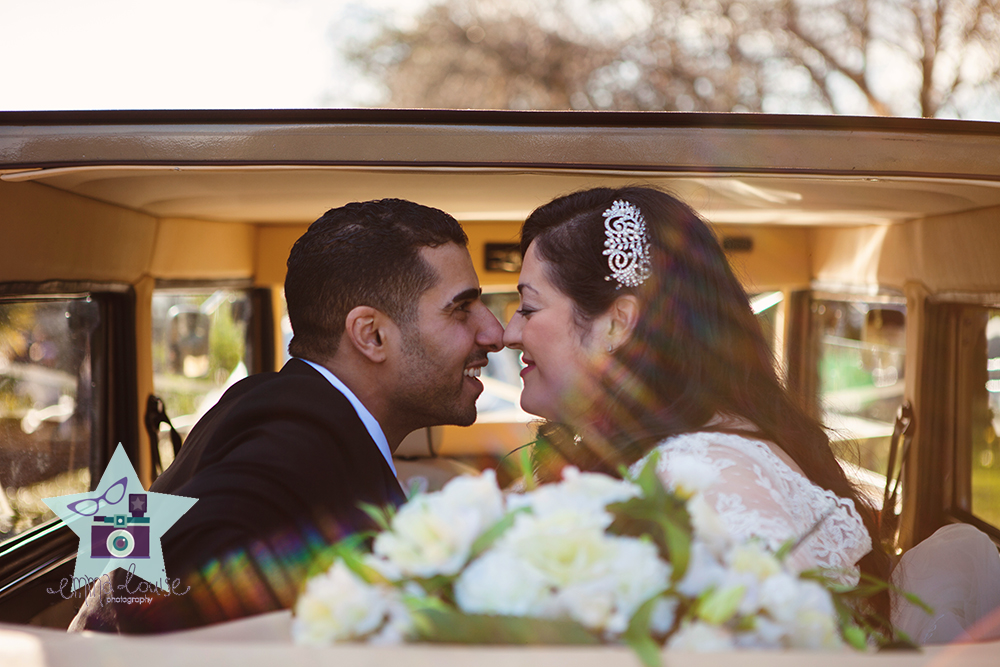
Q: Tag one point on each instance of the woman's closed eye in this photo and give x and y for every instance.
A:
(525, 312)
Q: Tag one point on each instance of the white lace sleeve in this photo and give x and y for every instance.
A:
(757, 494)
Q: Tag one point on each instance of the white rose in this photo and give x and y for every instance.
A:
(779, 595)
(563, 565)
(703, 572)
(634, 573)
(701, 637)
(384, 567)
(688, 475)
(398, 625)
(590, 603)
(814, 629)
(664, 614)
(579, 492)
(708, 526)
(598, 579)
(754, 558)
(565, 547)
(750, 564)
(433, 534)
(500, 583)
(803, 608)
(337, 605)
(765, 634)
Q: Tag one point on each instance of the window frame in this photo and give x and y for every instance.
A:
(40, 557)
(957, 496)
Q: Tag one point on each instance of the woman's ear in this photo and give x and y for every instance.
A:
(623, 316)
(365, 331)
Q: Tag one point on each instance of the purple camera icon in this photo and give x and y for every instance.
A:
(120, 535)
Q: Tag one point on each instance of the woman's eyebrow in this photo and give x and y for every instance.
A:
(523, 286)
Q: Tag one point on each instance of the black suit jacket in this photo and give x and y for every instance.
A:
(279, 467)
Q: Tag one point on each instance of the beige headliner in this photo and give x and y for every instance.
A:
(287, 167)
(279, 195)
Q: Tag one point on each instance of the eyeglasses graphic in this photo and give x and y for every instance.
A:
(89, 506)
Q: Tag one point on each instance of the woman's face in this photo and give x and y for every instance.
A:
(561, 362)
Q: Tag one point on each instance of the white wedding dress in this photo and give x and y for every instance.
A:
(758, 491)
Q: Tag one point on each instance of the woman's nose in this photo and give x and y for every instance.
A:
(512, 335)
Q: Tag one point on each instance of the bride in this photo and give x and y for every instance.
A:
(636, 336)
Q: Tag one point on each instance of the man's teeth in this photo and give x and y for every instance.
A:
(473, 372)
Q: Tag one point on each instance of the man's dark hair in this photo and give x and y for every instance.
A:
(361, 254)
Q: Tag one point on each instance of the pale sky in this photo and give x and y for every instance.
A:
(141, 54)
(232, 54)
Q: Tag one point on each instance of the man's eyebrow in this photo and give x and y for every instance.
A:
(470, 294)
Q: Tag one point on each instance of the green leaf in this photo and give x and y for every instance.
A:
(664, 519)
(527, 472)
(720, 605)
(486, 540)
(679, 545)
(784, 550)
(855, 636)
(438, 586)
(915, 599)
(381, 516)
(638, 635)
(354, 559)
(454, 627)
(414, 490)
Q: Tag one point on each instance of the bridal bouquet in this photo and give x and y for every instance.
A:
(589, 559)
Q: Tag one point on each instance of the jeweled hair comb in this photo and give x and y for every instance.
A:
(627, 245)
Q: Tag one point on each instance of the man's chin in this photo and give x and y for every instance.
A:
(465, 417)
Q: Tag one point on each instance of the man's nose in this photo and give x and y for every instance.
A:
(490, 333)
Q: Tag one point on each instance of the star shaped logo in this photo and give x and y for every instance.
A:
(121, 534)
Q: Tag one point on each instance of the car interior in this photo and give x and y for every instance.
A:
(142, 257)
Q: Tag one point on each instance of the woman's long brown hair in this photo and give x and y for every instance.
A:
(697, 350)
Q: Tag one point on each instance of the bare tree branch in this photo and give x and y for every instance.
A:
(695, 54)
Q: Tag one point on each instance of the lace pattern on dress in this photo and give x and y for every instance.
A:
(756, 494)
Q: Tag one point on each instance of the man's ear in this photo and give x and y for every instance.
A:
(623, 316)
(365, 330)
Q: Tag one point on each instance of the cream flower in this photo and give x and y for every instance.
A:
(664, 614)
(566, 566)
(634, 574)
(500, 583)
(688, 475)
(433, 534)
(803, 608)
(814, 629)
(755, 559)
(703, 572)
(708, 526)
(579, 492)
(337, 605)
(701, 637)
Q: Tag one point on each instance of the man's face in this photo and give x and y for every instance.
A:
(445, 347)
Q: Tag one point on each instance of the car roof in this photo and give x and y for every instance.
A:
(281, 167)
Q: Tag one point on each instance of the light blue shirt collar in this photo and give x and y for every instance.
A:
(374, 430)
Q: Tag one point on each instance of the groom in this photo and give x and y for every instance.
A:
(389, 336)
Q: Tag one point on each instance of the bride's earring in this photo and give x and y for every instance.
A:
(611, 348)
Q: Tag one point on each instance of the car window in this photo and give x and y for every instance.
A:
(47, 408)
(501, 397)
(768, 307)
(200, 349)
(983, 413)
(861, 355)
